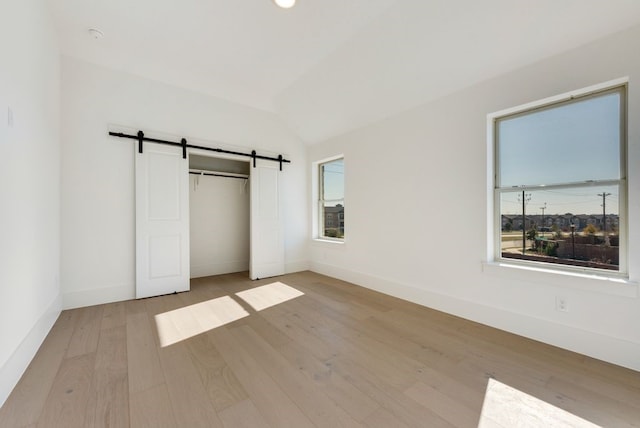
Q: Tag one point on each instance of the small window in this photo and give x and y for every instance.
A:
(331, 199)
(560, 188)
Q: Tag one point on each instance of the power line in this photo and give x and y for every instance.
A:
(543, 208)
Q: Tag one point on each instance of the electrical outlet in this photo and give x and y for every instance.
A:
(562, 304)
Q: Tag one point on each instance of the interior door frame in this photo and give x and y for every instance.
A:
(266, 233)
(210, 154)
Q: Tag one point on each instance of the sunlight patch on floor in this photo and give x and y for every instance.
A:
(505, 406)
(181, 324)
(269, 295)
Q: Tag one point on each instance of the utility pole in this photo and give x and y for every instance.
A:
(525, 198)
(573, 239)
(604, 216)
(542, 226)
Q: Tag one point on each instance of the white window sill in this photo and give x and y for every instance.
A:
(329, 241)
(613, 285)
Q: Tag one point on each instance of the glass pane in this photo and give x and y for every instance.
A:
(332, 199)
(332, 180)
(569, 143)
(333, 219)
(577, 226)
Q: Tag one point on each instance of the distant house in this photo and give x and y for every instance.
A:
(334, 218)
(562, 221)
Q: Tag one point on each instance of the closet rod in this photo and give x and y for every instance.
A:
(218, 175)
(183, 143)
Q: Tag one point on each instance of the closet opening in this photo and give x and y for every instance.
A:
(219, 215)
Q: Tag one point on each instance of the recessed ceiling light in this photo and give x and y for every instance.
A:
(95, 33)
(285, 4)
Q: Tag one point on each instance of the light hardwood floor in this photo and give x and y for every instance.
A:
(339, 355)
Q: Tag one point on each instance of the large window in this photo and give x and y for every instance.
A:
(331, 199)
(560, 189)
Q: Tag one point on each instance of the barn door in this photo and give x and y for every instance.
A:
(267, 239)
(162, 221)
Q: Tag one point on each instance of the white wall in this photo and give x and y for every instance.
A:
(30, 298)
(219, 225)
(98, 245)
(417, 211)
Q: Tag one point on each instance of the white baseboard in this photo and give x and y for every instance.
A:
(219, 268)
(297, 266)
(12, 370)
(616, 351)
(98, 296)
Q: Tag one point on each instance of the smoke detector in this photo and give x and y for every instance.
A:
(95, 33)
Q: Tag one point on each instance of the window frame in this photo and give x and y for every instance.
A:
(319, 202)
(495, 230)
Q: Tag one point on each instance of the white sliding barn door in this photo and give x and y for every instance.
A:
(267, 239)
(162, 221)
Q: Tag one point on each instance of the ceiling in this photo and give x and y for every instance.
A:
(330, 66)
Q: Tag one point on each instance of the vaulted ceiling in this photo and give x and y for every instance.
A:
(329, 66)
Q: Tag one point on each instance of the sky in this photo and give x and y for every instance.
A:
(567, 143)
(585, 200)
(334, 181)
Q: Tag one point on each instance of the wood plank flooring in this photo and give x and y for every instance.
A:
(337, 356)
